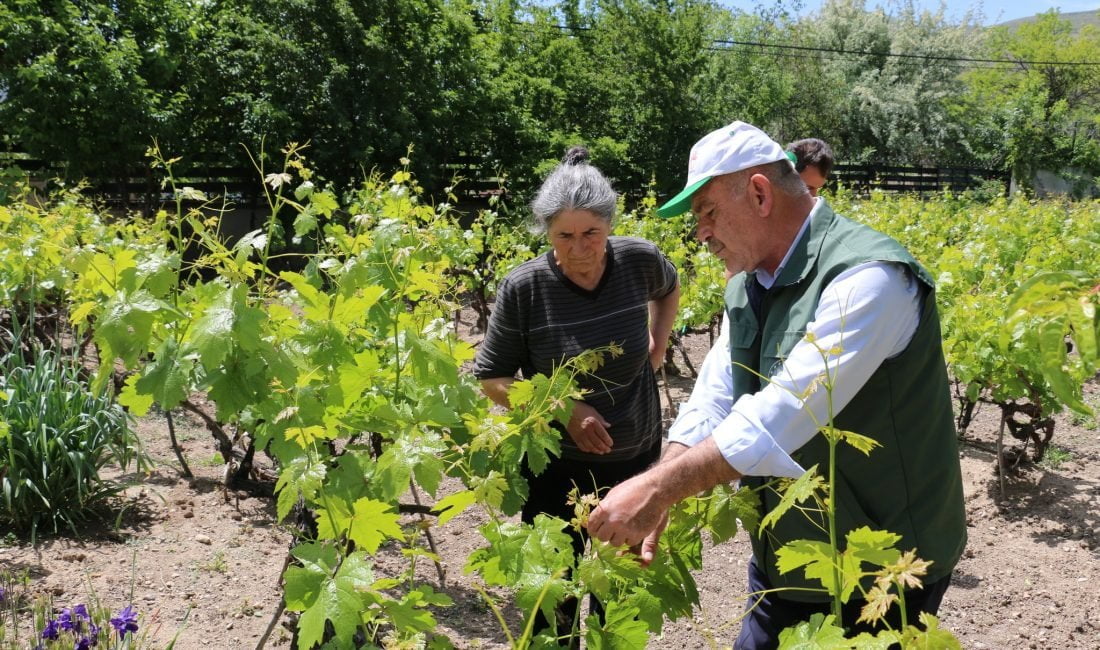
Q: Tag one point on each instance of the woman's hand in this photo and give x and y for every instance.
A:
(656, 353)
(588, 429)
(662, 313)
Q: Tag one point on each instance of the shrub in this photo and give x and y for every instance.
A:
(55, 436)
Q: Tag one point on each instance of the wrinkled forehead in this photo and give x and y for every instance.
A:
(577, 220)
(712, 193)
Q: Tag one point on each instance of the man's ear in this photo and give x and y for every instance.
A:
(761, 195)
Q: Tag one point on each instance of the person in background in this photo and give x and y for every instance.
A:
(799, 268)
(588, 291)
(813, 160)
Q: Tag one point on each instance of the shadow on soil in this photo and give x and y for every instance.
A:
(471, 618)
(1054, 504)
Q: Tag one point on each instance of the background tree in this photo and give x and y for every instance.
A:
(617, 75)
(361, 81)
(883, 82)
(649, 54)
(88, 84)
(1045, 109)
(756, 84)
(538, 79)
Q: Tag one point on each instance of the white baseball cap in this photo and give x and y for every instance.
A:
(727, 150)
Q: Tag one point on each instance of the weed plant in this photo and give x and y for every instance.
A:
(56, 435)
(1056, 455)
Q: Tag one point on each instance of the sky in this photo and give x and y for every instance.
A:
(994, 11)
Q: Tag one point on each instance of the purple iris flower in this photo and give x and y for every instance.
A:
(52, 631)
(91, 639)
(3, 592)
(68, 622)
(125, 622)
(82, 612)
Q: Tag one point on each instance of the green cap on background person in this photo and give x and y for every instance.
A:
(727, 150)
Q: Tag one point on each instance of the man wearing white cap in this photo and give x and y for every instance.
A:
(800, 268)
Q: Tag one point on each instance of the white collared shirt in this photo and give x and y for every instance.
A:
(870, 312)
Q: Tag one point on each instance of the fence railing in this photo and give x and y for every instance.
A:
(143, 191)
(478, 184)
(863, 178)
(476, 181)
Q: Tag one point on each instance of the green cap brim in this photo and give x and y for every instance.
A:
(681, 203)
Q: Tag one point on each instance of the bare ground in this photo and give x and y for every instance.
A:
(204, 564)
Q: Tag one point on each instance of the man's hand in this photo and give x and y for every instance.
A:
(636, 510)
(647, 550)
(629, 513)
(588, 429)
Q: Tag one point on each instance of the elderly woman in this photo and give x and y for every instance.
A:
(589, 290)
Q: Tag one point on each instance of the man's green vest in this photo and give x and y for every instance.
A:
(910, 485)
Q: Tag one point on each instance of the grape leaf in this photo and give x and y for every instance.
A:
(621, 629)
(80, 314)
(650, 608)
(316, 303)
(605, 564)
(300, 477)
(407, 615)
(236, 383)
(212, 333)
(324, 203)
(860, 442)
(819, 633)
(339, 600)
(305, 222)
(353, 308)
(372, 522)
(452, 505)
(803, 488)
(167, 378)
(413, 451)
(931, 638)
(727, 507)
(490, 489)
(126, 324)
(815, 556)
(355, 378)
(1052, 350)
(883, 640)
(138, 403)
(306, 436)
(528, 557)
(874, 546)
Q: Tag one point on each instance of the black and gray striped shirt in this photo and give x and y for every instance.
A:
(541, 318)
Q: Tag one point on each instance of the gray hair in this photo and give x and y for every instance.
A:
(573, 185)
(782, 176)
